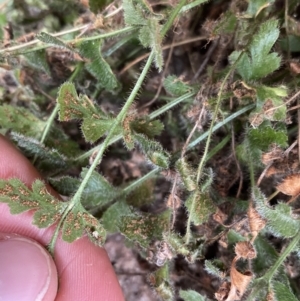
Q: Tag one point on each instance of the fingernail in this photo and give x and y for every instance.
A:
(27, 271)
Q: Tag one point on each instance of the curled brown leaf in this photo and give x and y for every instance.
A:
(244, 249)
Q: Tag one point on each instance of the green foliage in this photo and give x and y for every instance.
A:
(20, 120)
(143, 229)
(38, 60)
(47, 159)
(140, 15)
(211, 268)
(95, 123)
(261, 62)
(283, 292)
(153, 150)
(97, 66)
(187, 174)
(280, 223)
(79, 221)
(49, 39)
(200, 207)
(175, 86)
(248, 101)
(191, 296)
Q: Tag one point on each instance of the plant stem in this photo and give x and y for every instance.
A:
(96, 37)
(293, 244)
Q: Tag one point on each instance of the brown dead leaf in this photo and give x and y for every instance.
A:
(244, 249)
(290, 185)
(239, 282)
(256, 222)
(220, 217)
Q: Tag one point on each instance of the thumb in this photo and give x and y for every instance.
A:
(27, 271)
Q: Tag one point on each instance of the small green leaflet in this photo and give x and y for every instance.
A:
(191, 296)
(260, 63)
(97, 66)
(255, 6)
(49, 39)
(175, 86)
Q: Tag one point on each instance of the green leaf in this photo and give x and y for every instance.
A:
(187, 173)
(283, 292)
(133, 13)
(191, 296)
(260, 63)
(200, 207)
(147, 127)
(65, 185)
(141, 195)
(79, 221)
(160, 280)
(20, 198)
(112, 216)
(150, 36)
(49, 160)
(153, 150)
(212, 269)
(144, 228)
(270, 100)
(177, 244)
(175, 86)
(93, 128)
(265, 135)
(38, 60)
(280, 221)
(266, 255)
(20, 120)
(97, 66)
(73, 107)
(49, 39)
(98, 190)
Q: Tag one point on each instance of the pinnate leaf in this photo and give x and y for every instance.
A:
(20, 198)
(261, 62)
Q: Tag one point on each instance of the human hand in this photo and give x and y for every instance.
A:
(83, 269)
